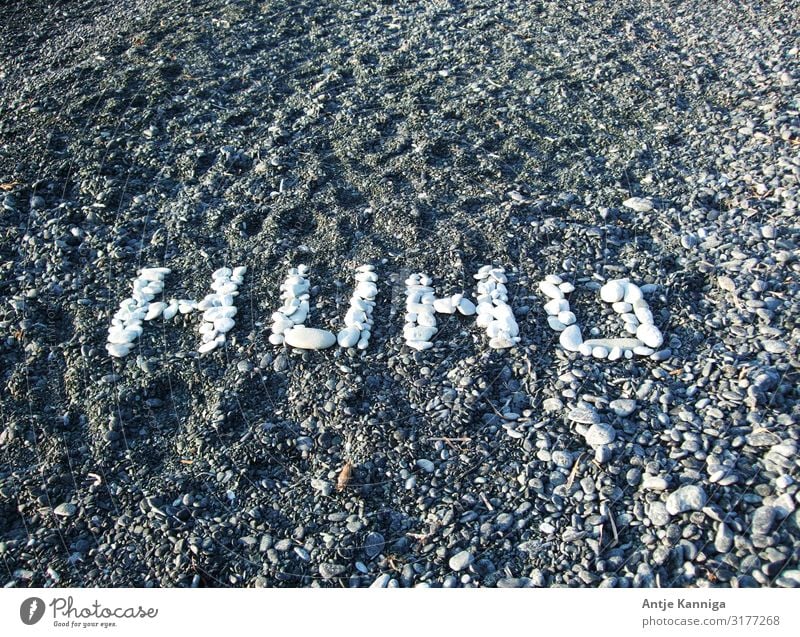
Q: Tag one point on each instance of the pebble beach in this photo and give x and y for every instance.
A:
(366, 294)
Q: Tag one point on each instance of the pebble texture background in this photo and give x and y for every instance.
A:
(656, 141)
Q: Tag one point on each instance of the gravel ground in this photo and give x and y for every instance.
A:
(436, 137)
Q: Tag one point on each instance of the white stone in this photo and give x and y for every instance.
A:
(366, 290)
(633, 293)
(308, 338)
(214, 313)
(224, 324)
(226, 288)
(239, 271)
(638, 204)
(643, 350)
(615, 353)
(554, 279)
(348, 337)
(621, 307)
(643, 313)
(566, 317)
(484, 308)
(610, 343)
(584, 349)
(281, 323)
(444, 306)
(550, 290)
(502, 342)
(366, 276)
(419, 345)
(555, 324)
(207, 347)
(118, 350)
(650, 335)
(221, 273)
(206, 328)
(122, 336)
(276, 339)
(466, 307)
(418, 333)
(571, 338)
(171, 310)
(354, 315)
(566, 287)
(613, 291)
(554, 306)
(153, 274)
(599, 352)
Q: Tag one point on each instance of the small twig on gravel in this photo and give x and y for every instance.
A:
(574, 471)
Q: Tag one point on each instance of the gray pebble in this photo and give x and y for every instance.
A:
(584, 415)
(66, 509)
(461, 560)
(623, 407)
(373, 545)
(689, 497)
(600, 434)
(763, 519)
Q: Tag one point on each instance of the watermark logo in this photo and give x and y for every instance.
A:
(31, 610)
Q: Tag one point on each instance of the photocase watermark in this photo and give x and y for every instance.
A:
(67, 614)
(31, 611)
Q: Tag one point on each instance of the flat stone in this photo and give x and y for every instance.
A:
(639, 204)
(308, 338)
(426, 465)
(66, 509)
(623, 407)
(373, 544)
(774, 346)
(466, 307)
(584, 415)
(553, 404)
(461, 560)
(654, 483)
(329, 570)
(600, 434)
(689, 497)
(611, 343)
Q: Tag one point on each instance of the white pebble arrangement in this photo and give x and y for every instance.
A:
(294, 311)
(494, 313)
(218, 308)
(358, 319)
(126, 325)
(420, 318)
(626, 299)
